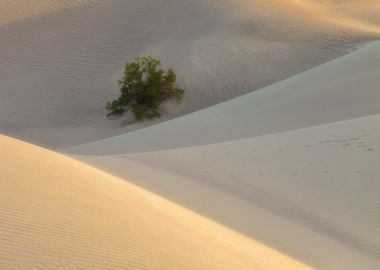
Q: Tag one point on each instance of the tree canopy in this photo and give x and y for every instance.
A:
(143, 89)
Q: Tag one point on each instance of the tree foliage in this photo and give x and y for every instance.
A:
(143, 89)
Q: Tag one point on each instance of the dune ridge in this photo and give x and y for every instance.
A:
(342, 89)
(58, 213)
(293, 165)
(318, 184)
(71, 58)
(302, 154)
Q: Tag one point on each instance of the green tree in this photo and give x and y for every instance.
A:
(143, 89)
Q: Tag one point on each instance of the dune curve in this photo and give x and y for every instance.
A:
(342, 89)
(62, 66)
(58, 213)
(318, 184)
(317, 181)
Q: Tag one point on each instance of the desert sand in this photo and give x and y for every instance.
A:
(15, 10)
(271, 162)
(311, 193)
(342, 89)
(301, 154)
(58, 213)
(61, 62)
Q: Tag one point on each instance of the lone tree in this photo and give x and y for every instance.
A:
(144, 87)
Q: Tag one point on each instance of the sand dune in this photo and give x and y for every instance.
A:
(340, 90)
(60, 64)
(318, 184)
(329, 15)
(312, 193)
(14, 10)
(293, 165)
(57, 213)
(364, 10)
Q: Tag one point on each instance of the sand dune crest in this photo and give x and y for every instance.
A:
(61, 63)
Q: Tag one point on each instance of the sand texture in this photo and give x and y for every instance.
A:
(318, 181)
(15, 10)
(271, 162)
(318, 185)
(339, 90)
(57, 213)
(60, 63)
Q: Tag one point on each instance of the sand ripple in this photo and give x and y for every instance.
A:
(57, 213)
(60, 64)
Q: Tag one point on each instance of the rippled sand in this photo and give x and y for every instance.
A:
(318, 181)
(57, 213)
(14, 10)
(310, 192)
(60, 66)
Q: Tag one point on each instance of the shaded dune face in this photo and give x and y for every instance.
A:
(57, 213)
(323, 178)
(61, 62)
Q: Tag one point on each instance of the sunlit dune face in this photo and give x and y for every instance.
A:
(364, 10)
(14, 10)
(57, 213)
(362, 14)
(362, 17)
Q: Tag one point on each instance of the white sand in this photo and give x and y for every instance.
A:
(312, 192)
(57, 213)
(61, 62)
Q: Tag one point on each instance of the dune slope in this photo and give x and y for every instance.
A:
(318, 184)
(14, 10)
(57, 213)
(61, 65)
(339, 90)
(312, 193)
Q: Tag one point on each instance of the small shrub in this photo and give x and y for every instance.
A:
(143, 89)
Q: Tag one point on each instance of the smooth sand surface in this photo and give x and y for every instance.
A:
(60, 63)
(312, 193)
(58, 213)
(319, 184)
